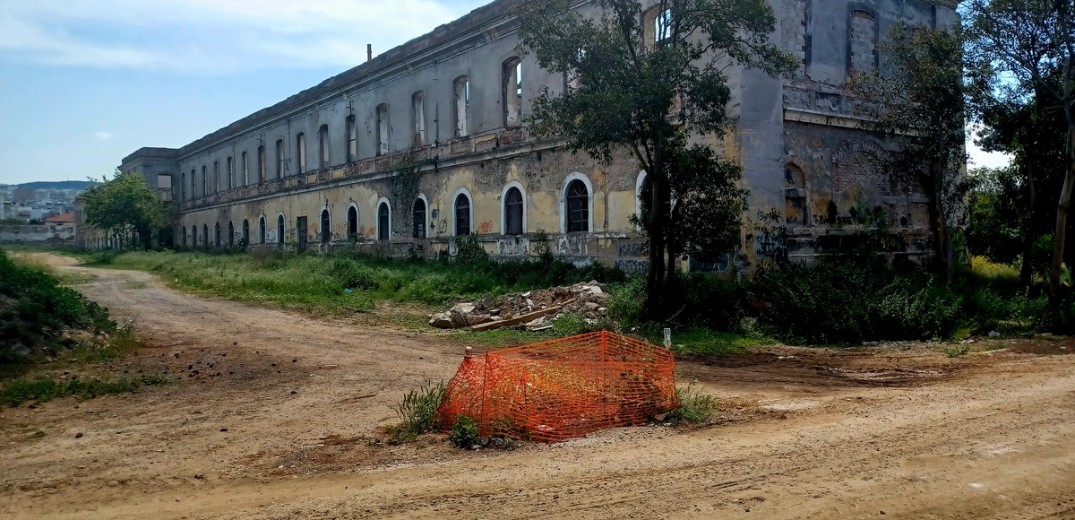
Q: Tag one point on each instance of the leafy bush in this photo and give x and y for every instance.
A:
(469, 251)
(35, 312)
(417, 410)
(694, 406)
(465, 433)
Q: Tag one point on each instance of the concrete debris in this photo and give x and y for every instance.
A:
(532, 310)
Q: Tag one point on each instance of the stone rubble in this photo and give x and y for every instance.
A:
(585, 299)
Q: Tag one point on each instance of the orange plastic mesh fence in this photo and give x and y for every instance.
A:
(562, 388)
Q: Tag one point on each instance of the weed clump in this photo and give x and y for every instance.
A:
(417, 411)
(42, 390)
(465, 433)
(695, 407)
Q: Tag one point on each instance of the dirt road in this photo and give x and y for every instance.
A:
(276, 412)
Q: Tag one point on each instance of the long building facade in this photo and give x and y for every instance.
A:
(428, 142)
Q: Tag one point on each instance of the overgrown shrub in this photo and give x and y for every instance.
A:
(16, 392)
(469, 251)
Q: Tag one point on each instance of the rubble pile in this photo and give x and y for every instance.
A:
(533, 310)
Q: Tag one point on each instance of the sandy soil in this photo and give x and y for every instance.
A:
(277, 412)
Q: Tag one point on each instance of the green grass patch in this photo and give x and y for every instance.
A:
(344, 283)
(41, 390)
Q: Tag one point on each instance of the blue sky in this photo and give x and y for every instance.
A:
(83, 83)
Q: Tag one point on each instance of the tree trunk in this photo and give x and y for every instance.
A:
(941, 243)
(1055, 296)
(1026, 272)
(660, 199)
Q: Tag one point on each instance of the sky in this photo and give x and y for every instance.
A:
(84, 83)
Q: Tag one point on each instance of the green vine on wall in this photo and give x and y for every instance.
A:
(409, 176)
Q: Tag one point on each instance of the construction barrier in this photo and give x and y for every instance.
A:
(561, 389)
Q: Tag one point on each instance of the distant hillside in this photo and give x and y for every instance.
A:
(55, 185)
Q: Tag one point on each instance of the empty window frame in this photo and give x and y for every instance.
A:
(280, 230)
(418, 219)
(194, 236)
(462, 214)
(231, 234)
(577, 207)
(246, 233)
(216, 234)
(261, 230)
(322, 147)
(513, 92)
(662, 26)
(461, 96)
(183, 192)
(244, 165)
(352, 139)
(383, 129)
(231, 173)
(215, 181)
(513, 211)
(384, 222)
(418, 111)
(326, 229)
(205, 183)
(281, 162)
(193, 184)
(300, 152)
(263, 164)
(205, 235)
(352, 223)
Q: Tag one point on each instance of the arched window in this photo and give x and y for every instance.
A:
(352, 222)
(216, 234)
(280, 230)
(246, 232)
(205, 182)
(215, 181)
(261, 230)
(194, 236)
(512, 88)
(577, 207)
(513, 212)
(326, 231)
(300, 152)
(384, 222)
(193, 184)
(462, 215)
(461, 95)
(231, 234)
(322, 146)
(205, 235)
(245, 165)
(352, 139)
(418, 219)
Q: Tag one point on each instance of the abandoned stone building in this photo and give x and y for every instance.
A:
(427, 142)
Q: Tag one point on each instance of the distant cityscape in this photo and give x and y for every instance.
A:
(34, 202)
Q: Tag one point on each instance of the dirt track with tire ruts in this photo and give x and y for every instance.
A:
(277, 412)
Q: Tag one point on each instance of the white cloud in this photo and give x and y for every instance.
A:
(103, 135)
(213, 36)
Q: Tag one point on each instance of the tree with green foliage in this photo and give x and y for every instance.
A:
(126, 204)
(1026, 48)
(919, 102)
(644, 83)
